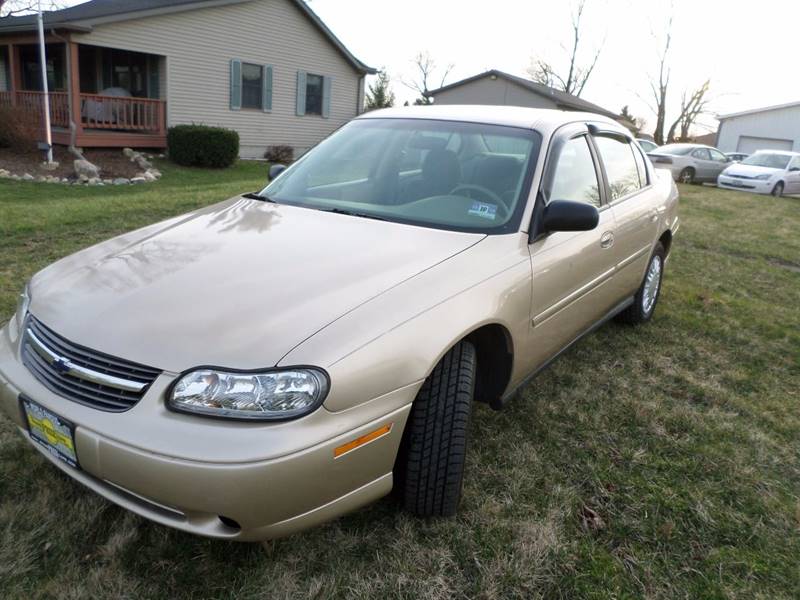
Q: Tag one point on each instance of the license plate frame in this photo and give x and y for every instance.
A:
(52, 432)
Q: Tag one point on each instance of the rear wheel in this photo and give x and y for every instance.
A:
(686, 176)
(644, 303)
(777, 191)
(430, 466)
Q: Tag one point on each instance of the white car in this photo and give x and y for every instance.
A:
(690, 163)
(765, 172)
(646, 145)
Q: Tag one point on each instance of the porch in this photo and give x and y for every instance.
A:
(113, 97)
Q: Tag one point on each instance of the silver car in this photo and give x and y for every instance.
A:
(690, 163)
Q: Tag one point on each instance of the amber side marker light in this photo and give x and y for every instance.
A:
(364, 439)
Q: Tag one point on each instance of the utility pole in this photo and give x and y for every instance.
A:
(46, 95)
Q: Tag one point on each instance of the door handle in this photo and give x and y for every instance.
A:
(607, 240)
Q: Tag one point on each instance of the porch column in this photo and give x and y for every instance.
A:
(74, 87)
(14, 72)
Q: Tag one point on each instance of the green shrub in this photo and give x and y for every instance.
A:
(282, 155)
(19, 128)
(202, 146)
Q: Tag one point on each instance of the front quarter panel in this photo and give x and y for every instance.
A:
(396, 340)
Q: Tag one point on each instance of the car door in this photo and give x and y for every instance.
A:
(634, 202)
(572, 271)
(719, 162)
(702, 164)
(793, 176)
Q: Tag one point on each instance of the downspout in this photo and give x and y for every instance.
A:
(73, 129)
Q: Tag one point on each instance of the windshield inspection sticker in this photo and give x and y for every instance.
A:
(484, 210)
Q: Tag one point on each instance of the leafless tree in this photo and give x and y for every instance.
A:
(693, 105)
(9, 8)
(426, 74)
(577, 75)
(660, 87)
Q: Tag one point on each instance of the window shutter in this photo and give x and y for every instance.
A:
(327, 84)
(266, 97)
(236, 84)
(301, 93)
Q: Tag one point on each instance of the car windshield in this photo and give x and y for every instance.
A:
(768, 159)
(676, 149)
(443, 174)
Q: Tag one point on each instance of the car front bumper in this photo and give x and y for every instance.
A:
(754, 186)
(264, 480)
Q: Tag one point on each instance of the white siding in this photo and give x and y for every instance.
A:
(776, 128)
(198, 46)
(499, 91)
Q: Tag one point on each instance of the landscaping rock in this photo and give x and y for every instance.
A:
(27, 177)
(142, 162)
(121, 181)
(136, 180)
(129, 152)
(41, 178)
(50, 166)
(148, 176)
(15, 177)
(155, 173)
(94, 181)
(4, 174)
(108, 181)
(82, 179)
(83, 168)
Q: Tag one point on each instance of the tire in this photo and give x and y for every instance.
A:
(645, 300)
(686, 176)
(430, 465)
(777, 191)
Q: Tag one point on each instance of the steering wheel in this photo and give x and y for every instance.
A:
(467, 187)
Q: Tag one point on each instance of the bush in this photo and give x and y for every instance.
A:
(282, 155)
(202, 146)
(19, 129)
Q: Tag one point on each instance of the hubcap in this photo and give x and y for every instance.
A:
(652, 281)
(687, 177)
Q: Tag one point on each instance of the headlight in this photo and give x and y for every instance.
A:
(764, 177)
(23, 303)
(268, 395)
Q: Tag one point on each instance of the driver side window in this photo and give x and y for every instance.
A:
(575, 177)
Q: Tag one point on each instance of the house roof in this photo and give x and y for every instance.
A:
(562, 99)
(757, 110)
(83, 17)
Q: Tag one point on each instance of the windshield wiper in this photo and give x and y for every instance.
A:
(341, 211)
(257, 196)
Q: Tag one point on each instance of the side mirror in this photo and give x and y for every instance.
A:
(567, 215)
(275, 171)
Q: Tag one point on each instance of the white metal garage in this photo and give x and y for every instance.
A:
(772, 128)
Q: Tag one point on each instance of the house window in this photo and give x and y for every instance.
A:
(32, 72)
(252, 86)
(313, 94)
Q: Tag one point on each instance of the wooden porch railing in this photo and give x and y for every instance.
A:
(131, 115)
(127, 114)
(32, 101)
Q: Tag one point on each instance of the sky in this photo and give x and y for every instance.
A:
(747, 48)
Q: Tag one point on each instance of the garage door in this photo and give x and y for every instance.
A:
(749, 144)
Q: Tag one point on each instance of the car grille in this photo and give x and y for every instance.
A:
(82, 375)
(740, 176)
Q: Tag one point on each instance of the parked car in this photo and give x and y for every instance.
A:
(647, 145)
(736, 156)
(765, 172)
(690, 163)
(270, 362)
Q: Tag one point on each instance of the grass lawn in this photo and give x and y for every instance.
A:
(659, 462)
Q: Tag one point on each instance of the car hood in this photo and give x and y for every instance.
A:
(750, 170)
(236, 285)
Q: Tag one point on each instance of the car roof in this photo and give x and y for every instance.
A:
(543, 120)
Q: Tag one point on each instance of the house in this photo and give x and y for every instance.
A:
(123, 71)
(771, 128)
(499, 88)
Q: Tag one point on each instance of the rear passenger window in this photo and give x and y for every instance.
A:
(620, 165)
(575, 177)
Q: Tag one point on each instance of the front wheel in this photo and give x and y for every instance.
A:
(646, 298)
(430, 466)
(686, 176)
(777, 191)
